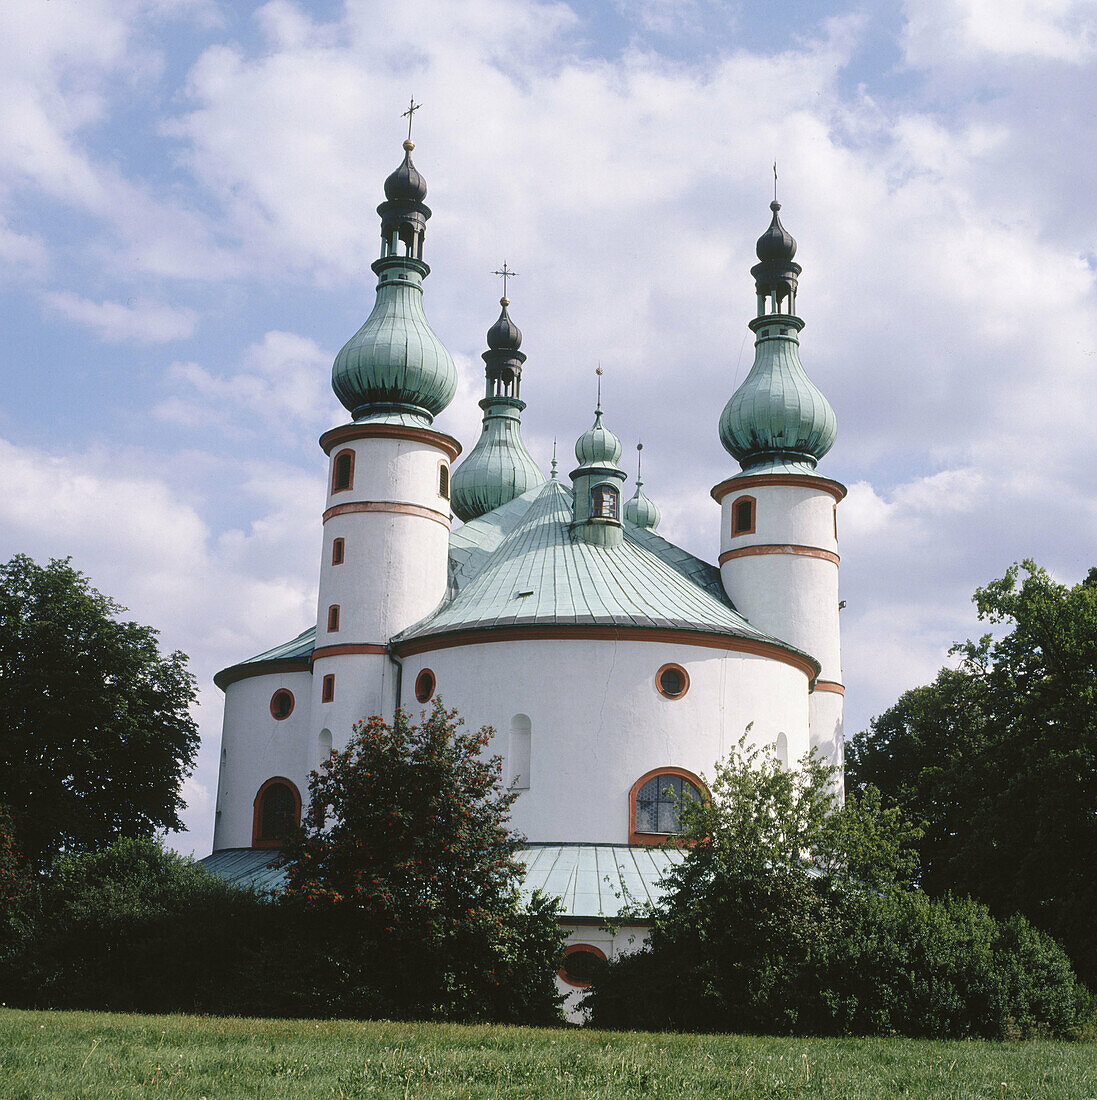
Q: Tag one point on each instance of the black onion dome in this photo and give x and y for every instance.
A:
(406, 182)
(776, 243)
(504, 335)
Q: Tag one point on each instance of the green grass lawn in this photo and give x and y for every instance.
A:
(93, 1055)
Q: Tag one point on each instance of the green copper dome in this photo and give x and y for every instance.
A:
(639, 510)
(395, 366)
(598, 446)
(499, 468)
(778, 416)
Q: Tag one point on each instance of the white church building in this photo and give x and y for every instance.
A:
(615, 667)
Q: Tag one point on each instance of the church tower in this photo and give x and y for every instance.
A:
(387, 514)
(779, 528)
(498, 468)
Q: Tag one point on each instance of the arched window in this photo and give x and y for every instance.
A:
(603, 502)
(582, 964)
(324, 746)
(281, 704)
(742, 516)
(338, 551)
(424, 686)
(333, 618)
(277, 811)
(781, 750)
(519, 752)
(655, 800)
(342, 476)
(443, 480)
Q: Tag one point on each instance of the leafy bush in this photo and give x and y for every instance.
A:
(407, 861)
(138, 928)
(792, 915)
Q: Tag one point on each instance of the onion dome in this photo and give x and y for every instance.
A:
(504, 335)
(406, 183)
(395, 367)
(776, 274)
(639, 510)
(598, 446)
(498, 468)
(596, 483)
(778, 416)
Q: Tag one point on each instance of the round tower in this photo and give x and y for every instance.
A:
(498, 468)
(779, 528)
(387, 516)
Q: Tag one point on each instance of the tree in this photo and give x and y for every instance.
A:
(791, 914)
(95, 730)
(406, 853)
(999, 759)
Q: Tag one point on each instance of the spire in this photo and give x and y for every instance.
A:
(395, 368)
(777, 417)
(597, 482)
(639, 510)
(498, 468)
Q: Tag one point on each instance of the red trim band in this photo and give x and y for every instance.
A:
(830, 685)
(484, 636)
(804, 481)
(396, 506)
(347, 432)
(348, 647)
(780, 548)
(273, 667)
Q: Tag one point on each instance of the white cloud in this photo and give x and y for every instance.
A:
(137, 320)
(968, 30)
(283, 382)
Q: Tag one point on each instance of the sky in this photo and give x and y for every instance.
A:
(187, 219)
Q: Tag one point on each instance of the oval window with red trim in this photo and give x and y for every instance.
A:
(424, 686)
(672, 681)
(281, 704)
(583, 963)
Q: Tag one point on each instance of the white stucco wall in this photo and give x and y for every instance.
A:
(255, 747)
(598, 723)
(395, 566)
(611, 941)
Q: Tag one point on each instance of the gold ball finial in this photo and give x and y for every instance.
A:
(599, 371)
(409, 144)
(504, 302)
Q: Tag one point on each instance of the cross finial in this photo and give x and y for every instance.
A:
(598, 371)
(775, 181)
(409, 114)
(507, 274)
(554, 458)
(639, 448)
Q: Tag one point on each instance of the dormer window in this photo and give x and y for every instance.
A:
(603, 502)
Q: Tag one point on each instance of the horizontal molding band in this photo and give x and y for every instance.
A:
(347, 647)
(486, 636)
(346, 432)
(779, 548)
(274, 667)
(802, 481)
(829, 685)
(395, 507)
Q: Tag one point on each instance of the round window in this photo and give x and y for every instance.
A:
(672, 681)
(583, 962)
(281, 704)
(424, 685)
